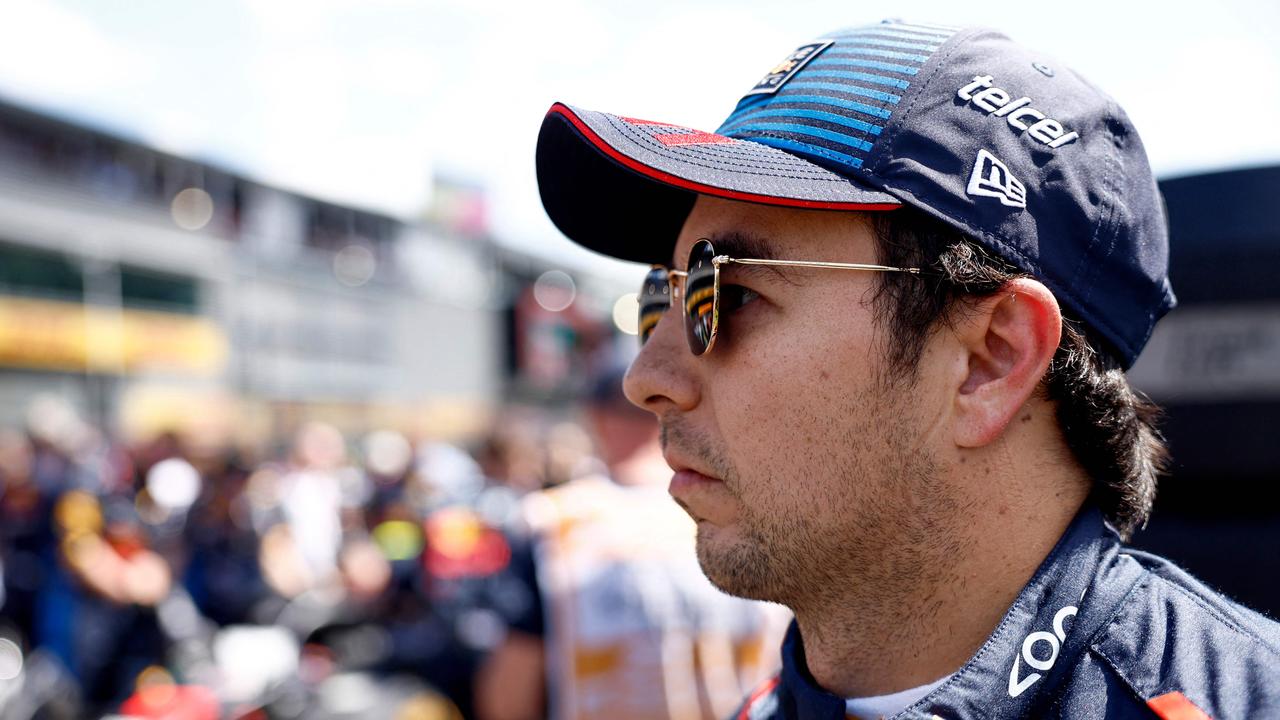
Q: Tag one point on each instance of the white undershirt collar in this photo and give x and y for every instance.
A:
(874, 708)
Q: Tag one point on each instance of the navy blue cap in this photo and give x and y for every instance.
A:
(1006, 144)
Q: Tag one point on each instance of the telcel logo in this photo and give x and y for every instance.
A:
(1054, 640)
(999, 103)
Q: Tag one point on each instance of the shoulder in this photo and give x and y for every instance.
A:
(1173, 640)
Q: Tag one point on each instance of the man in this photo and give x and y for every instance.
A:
(885, 337)
(626, 627)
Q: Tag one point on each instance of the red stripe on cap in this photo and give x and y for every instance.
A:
(1176, 706)
(692, 138)
(764, 689)
(638, 121)
(669, 179)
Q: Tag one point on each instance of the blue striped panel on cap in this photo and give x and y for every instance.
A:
(834, 108)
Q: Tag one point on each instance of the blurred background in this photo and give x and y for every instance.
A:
(292, 362)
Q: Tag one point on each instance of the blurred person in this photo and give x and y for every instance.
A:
(445, 474)
(913, 427)
(23, 530)
(166, 488)
(387, 458)
(512, 455)
(95, 611)
(82, 578)
(568, 454)
(310, 507)
(34, 471)
(625, 625)
(311, 499)
(100, 616)
(463, 592)
(429, 584)
(222, 573)
(62, 447)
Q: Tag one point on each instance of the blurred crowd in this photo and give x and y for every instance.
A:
(339, 577)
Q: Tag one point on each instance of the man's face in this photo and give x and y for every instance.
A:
(803, 465)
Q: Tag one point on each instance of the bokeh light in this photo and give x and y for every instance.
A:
(399, 539)
(192, 208)
(626, 313)
(554, 290)
(10, 659)
(354, 265)
(173, 484)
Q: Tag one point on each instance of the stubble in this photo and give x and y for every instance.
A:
(861, 523)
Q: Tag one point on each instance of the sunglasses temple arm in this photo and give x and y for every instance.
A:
(725, 260)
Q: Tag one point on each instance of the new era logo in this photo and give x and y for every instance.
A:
(990, 178)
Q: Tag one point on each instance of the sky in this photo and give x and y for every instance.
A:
(362, 101)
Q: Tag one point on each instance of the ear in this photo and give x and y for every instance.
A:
(1009, 338)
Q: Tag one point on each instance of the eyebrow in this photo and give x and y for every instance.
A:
(739, 244)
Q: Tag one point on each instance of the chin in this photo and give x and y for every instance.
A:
(738, 565)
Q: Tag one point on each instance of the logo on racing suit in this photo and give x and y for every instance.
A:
(1017, 684)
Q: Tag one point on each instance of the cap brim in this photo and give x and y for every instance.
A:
(623, 187)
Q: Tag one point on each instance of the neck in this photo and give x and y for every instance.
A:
(898, 630)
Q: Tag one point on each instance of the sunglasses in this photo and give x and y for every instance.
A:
(700, 293)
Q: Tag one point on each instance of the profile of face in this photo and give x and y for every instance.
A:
(804, 462)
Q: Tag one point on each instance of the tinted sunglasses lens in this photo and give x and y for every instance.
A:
(700, 298)
(655, 298)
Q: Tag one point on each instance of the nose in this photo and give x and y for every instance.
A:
(662, 376)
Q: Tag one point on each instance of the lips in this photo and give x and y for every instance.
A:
(689, 482)
(703, 496)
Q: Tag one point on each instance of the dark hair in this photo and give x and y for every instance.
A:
(1109, 426)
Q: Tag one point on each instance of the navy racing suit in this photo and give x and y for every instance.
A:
(1100, 631)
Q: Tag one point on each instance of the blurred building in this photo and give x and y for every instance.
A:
(156, 290)
(1214, 365)
(561, 329)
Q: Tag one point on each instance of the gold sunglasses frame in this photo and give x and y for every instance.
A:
(719, 260)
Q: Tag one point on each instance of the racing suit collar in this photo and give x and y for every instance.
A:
(1013, 672)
